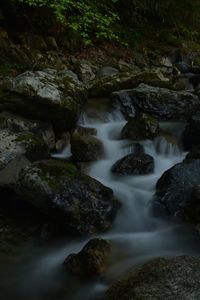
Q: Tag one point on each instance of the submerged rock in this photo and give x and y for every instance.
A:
(86, 148)
(162, 103)
(134, 164)
(141, 127)
(81, 205)
(162, 278)
(52, 96)
(92, 261)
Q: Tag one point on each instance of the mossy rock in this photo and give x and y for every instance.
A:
(50, 96)
(141, 127)
(86, 148)
(78, 203)
(161, 278)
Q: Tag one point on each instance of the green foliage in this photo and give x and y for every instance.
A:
(91, 18)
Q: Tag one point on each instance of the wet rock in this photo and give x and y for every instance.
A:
(191, 134)
(80, 204)
(16, 151)
(85, 130)
(92, 261)
(162, 103)
(105, 85)
(141, 127)
(134, 164)
(18, 124)
(174, 189)
(161, 278)
(63, 141)
(52, 96)
(86, 148)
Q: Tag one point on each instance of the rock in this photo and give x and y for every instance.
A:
(34, 41)
(183, 67)
(193, 154)
(192, 208)
(191, 134)
(84, 70)
(162, 103)
(92, 261)
(18, 124)
(51, 43)
(104, 85)
(134, 164)
(141, 127)
(174, 189)
(63, 141)
(11, 56)
(85, 130)
(80, 204)
(56, 97)
(86, 148)
(16, 151)
(106, 71)
(162, 278)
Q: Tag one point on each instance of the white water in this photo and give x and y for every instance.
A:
(136, 235)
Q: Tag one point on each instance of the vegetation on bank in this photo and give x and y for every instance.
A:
(124, 21)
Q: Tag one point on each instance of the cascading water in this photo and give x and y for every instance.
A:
(136, 235)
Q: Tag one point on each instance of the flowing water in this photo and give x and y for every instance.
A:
(136, 235)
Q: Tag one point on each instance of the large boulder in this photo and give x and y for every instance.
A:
(134, 164)
(91, 261)
(16, 151)
(174, 189)
(106, 71)
(86, 148)
(103, 86)
(141, 127)
(17, 124)
(162, 278)
(56, 97)
(165, 104)
(84, 70)
(80, 204)
(191, 134)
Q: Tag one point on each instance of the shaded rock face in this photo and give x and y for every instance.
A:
(162, 103)
(85, 130)
(16, 151)
(86, 148)
(133, 164)
(193, 154)
(192, 208)
(141, 127)
(52, 96)
(104, 85)
(17, 124)
(161, 278)
(84, 69)
(191, 134)
(175, 187)
(107, 71)
(92, 261)
(79, 203)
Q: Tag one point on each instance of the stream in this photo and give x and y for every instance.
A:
(136, 235)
